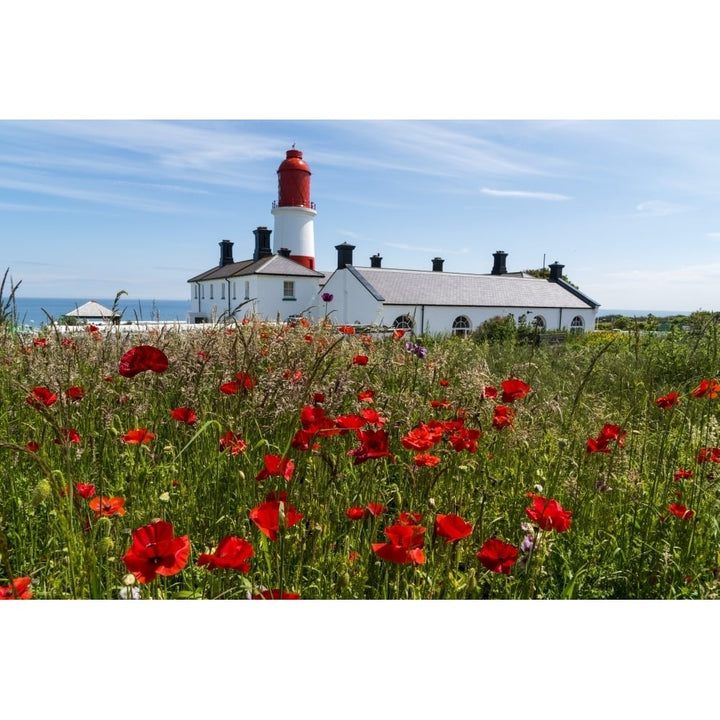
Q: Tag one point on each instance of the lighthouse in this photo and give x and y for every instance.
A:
(294, 212)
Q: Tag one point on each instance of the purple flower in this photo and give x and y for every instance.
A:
(416, 349)
(327, 297)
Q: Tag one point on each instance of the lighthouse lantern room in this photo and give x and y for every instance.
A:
(294, 212)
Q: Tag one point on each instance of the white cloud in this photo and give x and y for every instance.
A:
(655, 208)
(524, 194)
(714, 235)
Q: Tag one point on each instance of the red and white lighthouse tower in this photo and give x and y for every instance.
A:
(294, 212)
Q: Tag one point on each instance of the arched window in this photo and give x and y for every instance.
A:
(577, 325)
(403, 322)
(461, 326)
(539, 322)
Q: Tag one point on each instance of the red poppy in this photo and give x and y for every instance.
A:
(138, 436)
(405, 544)
(498, 556)
(68, 343)
(142, 358)
(503, 417)
(549, 514)
(33, 446)
(107, 506)
(75, 393)
(423, 437)
(232, 443)
(155, 551)
(277, 465)
(267, 515)
(443, 382)
(69, 435)
(276, 594)
(682, 474)
(376, 509)
(231, 552)
(408, 518)
(608, 434)
(366, 396)
(490, 392)
(41, 396)
(202, 356)
(349, 422)
(681, 511)
(18, 589)
(440, 404)
(374, 445)
(360, 513)
(668, 401)
(426, 460)
(346, 329)
(711, 454)
(372, 416)
(85, 490)
(707, 388)
(40, 342)
(462, 438)
(185, 415)
(398, 334)
(295, 377)
(360, 360)
(514, 389)
(452, 527)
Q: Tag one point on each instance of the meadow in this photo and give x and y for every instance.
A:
(312, 461)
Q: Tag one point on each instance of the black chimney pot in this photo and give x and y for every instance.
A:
(376, 260)
(226, 256)
(499, 263)
(285, 252)
(437, 264)
(556, 272)
(345, 255)
(262, 243)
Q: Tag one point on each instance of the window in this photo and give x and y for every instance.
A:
(212, 291)
(461, 326)
(222, 291)
(195, 291)
(577, 325)
(539, 323)
(234, 289)
(403, 322)
(202, 288)
(247, 289)
(288, 290)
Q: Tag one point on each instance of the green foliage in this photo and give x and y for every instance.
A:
(623, 541)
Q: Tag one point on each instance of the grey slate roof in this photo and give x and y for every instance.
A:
(427, 287)
(270, 265)
(92, 309)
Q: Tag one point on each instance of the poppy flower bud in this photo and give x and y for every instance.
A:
(281, 514)
(41, 493)
(105, 546)
(431, 503)
(472, 579)
(103, 526)
(344, 581)
(129, 579)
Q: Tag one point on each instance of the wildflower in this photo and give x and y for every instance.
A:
(357, 513)
(503, 417)
(129, 593)
(202, 356)
(141, 358)
(40, 342)
(514, 389)
(276, 465)
(41, 396)
(75, 393)
(327, 297)
(231, 552)
(138, 436)
(682, 474)
(360, 360)
(156, 551)
(107, 506)
(85, 490)
(69, 435)
(232, 443)
(405, 544)
(681, 511)
(608, 434)
(490, 392)
(417, 350)
(426, 460)
(711, 454)
(242, 382)
(440, 404)
(366, 396)
(276, 594)
(668, 401)
(374, 445)
(707, 388)
(18, 589)
(398, 334)
(346, 329)
(452, 527)
(32, 446)
(266, 516)
(443, 382)
(497, 556)
(185, 415)
(462, 438)
(549, 514)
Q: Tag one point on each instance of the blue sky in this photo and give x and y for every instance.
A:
(630, 207)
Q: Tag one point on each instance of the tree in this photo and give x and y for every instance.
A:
(544, 274)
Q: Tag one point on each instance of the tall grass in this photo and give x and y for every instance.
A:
(623, 541)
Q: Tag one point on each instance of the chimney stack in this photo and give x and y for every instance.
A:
(226, 256)
(262, 243)
(376, 260)
(437, 264)
(284, 252)
(556, 271)
(344, 255)
(499, 263)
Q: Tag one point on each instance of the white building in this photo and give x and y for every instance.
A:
(281, 282)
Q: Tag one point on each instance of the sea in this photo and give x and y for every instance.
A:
(35, 312)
